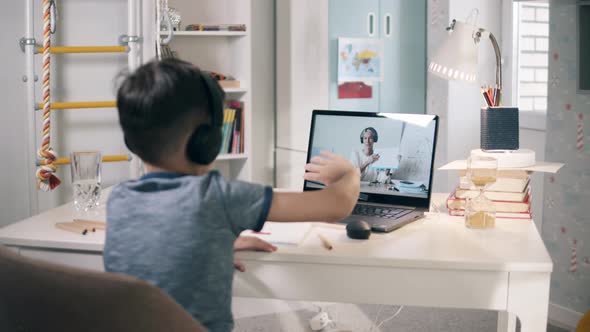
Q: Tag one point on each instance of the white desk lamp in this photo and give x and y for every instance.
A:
(456, 59)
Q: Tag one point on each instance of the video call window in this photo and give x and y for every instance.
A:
(394, 156)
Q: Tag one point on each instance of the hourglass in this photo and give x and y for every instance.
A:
(480, 212)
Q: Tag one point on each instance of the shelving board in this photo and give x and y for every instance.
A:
(231, 156)
(206, 33)
(235, 90)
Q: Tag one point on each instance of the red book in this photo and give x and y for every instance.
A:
(502, 215)
(454, 203)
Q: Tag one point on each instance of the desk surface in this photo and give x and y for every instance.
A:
(438, 241)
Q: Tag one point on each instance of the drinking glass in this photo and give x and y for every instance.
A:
(480, 212)
(86, 179)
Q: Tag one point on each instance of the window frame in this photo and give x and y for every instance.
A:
(528, 119)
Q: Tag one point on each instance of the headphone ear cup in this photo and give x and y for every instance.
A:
(204, 144)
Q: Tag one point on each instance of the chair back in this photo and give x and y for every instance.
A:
(40, 296)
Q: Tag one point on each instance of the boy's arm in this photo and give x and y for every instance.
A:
(333, 203)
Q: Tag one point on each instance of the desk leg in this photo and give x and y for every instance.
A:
(528, 299)
(506, 321)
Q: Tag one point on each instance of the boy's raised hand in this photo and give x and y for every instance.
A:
(327, 168)
(250, 243)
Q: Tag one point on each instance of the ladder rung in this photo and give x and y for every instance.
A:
(79, 104)
(105, 159)
(85, 49)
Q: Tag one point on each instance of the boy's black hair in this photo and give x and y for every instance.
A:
(159, 105)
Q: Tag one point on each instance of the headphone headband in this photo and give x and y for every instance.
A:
(216, 97)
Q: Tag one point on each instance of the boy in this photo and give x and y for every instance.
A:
(177, 226)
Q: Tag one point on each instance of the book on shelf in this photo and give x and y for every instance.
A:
(232, 128)
(503, 215)
(216, 27)
(229, 84)
(512, 196)
(456, 203)
(501, 184)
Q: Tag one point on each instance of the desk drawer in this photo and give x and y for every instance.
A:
(378, 285)
(84, 260)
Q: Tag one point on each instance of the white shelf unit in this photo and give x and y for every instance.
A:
(225, 52)
(205, 33)
(232, 156)
(235, 90)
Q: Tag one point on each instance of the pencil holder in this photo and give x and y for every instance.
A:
(499, 128)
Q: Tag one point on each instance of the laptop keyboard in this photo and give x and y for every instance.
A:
(382, 212)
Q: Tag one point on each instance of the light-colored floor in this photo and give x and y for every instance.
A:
(295, 316)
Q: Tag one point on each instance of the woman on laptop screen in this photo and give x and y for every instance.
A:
(367, 159)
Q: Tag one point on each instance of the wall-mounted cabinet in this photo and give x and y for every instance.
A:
(307, 66)
(401, 25)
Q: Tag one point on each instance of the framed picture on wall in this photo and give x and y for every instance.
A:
(360, 59)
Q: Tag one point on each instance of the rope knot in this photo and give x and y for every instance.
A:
(46, 178)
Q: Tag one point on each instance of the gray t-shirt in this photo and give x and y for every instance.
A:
(177, 232)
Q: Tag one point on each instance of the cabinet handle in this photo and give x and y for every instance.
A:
(371, 24)
(387, 25)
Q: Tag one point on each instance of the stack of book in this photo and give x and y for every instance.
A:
(233, 128)
(511, 194)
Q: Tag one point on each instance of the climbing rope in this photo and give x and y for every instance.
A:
(46, 178)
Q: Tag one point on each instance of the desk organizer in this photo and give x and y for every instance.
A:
(499, 128)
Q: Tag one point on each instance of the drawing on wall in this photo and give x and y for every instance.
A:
(360, 59)
(358, 90)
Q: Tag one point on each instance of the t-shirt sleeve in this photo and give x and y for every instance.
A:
(246, 204)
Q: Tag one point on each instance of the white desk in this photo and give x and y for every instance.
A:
(434, 262)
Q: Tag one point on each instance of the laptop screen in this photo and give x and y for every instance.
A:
(394, 152)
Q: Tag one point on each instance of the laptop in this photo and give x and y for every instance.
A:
(395, 154)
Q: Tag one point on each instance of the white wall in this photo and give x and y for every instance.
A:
(465, 99)
(81, 77)
(263, 90)
(13, 126)
(437, 90)
(300, 71)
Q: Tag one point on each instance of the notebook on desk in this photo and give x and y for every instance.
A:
(284, 233)
(390, 197)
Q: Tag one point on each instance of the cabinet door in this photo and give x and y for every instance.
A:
(403, 29)
(351, 19)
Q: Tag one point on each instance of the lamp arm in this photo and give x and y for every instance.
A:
(498, 61)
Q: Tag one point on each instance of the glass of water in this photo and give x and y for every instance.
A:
(86, 172)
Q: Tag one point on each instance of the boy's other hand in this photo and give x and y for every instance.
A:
(327, 168)
(250, 243)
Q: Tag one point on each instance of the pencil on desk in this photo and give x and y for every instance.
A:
(91, 224)
(72, 227)
(325, 242)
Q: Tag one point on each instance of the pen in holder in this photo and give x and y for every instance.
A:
(499, 128)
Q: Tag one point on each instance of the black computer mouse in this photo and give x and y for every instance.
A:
(358, 229)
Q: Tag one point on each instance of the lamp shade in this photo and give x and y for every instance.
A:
(456, 59)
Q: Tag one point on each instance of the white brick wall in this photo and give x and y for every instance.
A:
(534, 29)
(533, 59)
(541, 44)
(533, 90)
(542, 14)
